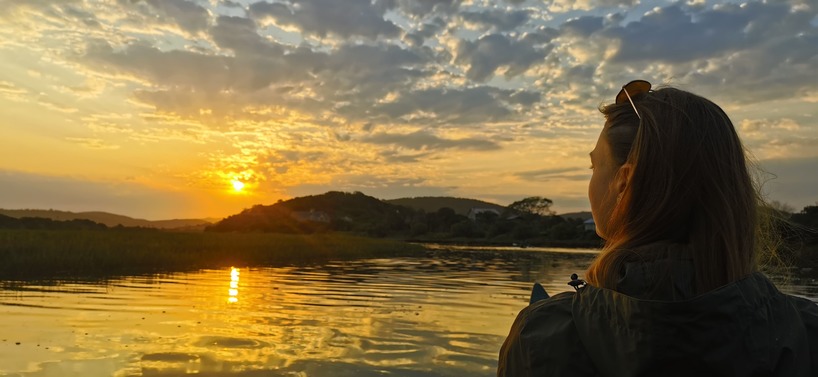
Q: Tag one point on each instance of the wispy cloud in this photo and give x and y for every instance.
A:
(92, 143)
(421, 140)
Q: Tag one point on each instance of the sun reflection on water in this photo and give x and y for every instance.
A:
(233, 292)
(399, 316)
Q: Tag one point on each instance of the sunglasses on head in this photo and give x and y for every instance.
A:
(632, 89)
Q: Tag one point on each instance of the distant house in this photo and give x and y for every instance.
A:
(311, 215)
(589, 224)
(473, 212)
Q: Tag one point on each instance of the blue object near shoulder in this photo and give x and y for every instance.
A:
(537, 293)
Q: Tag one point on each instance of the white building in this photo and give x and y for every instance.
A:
(589, 224)
(311, 215)
(473, 212)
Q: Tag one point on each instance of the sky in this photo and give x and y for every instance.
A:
(157, 109)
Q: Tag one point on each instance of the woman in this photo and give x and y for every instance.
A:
(675, 290)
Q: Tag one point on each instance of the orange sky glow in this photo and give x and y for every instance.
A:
(182, 108)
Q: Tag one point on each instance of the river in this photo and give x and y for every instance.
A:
(445, 314)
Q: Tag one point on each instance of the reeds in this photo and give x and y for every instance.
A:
(56, 253)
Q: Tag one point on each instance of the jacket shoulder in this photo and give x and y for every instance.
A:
(543, 341)
(808, 312)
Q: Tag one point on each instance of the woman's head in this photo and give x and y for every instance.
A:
(677, 174)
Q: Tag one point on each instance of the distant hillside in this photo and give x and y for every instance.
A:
(429, 204)
(8, 222)
(108, 219)
(333, 210)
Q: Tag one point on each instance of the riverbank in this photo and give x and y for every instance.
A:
(568, 244)
(55, 254)
(26, 254)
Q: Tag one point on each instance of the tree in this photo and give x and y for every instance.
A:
(465, 228)
(486, 217)
(782, 208)
(807, 217)
(523, 231)
(534, 205)
(563, 231)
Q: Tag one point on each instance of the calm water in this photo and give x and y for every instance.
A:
(443, 315)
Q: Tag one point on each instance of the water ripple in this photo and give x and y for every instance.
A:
(442, 315)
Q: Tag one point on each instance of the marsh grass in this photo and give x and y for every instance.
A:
(57, 253)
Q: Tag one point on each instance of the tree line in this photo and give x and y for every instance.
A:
(527, 220)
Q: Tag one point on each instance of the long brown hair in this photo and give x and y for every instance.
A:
(689, 183)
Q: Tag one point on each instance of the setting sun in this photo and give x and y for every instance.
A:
(237, 185)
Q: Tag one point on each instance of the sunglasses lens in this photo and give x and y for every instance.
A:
(634, 88)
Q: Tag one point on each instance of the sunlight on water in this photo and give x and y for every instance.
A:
(443, 315)
(233, 292)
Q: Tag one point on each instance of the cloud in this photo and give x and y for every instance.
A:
(298, 156)
(715, 32)
(757, 125)
(364, 73)
(266, 85)
(424, 31)
(92, 143)
(12, 92)
(188, 15)
(354, 76)
(474, 105)
(231, 4)
(582, 27)
(401, 157)
(321, 18)
(757, 42)
(776, 138)
(48, 8)
(173, 68)
(564, 6)
(545, 175)
(484, 56)
(754, 51)
(415, 8)
(497, 19)
(241, 36)
(422, 140)
(261, 73)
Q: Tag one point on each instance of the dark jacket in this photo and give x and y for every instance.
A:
(746, 328)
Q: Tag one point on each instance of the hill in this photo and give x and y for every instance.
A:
(437, 222)
(108, 219)
(461, 206)
(333, 210)
(8, 222)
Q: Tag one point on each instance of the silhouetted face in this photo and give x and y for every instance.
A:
(602, 192)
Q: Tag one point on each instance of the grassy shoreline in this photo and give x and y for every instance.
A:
(57, 254)
(26, 254)
(570, 244)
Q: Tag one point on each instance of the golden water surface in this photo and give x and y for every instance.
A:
(441, 315)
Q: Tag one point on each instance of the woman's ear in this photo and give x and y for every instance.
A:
(622, 178)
